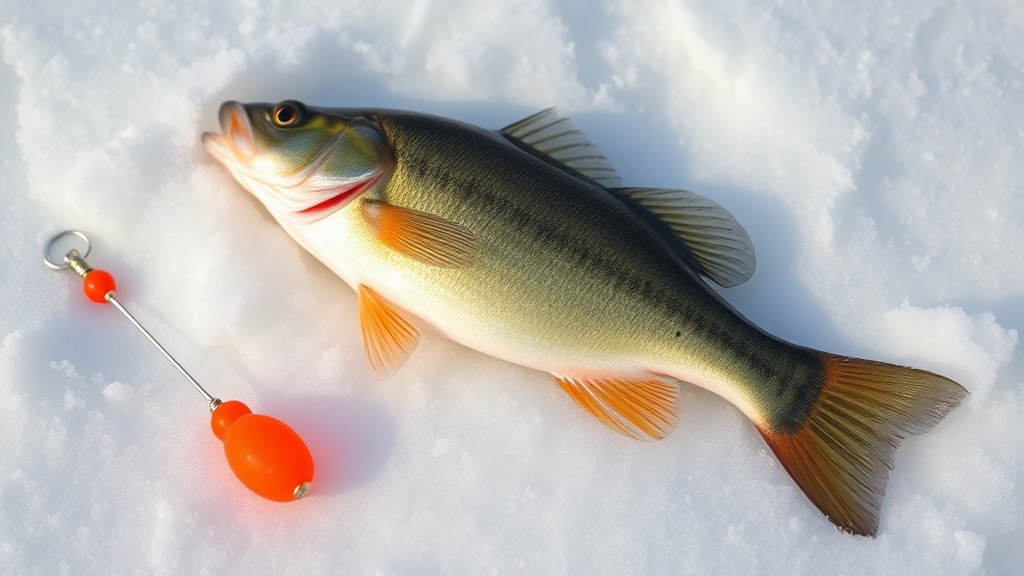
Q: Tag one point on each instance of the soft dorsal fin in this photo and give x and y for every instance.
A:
(644, 408)
(556, 139)
(388, 338)
(422, 236)
(721, 246)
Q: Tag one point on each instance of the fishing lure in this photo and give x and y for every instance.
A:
(264, 453)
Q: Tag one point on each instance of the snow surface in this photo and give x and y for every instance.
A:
(874, 151)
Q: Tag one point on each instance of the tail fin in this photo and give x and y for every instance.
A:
(842, 454)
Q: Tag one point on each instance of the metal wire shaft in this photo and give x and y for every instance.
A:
(75, 261)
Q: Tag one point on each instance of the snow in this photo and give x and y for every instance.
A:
(874, 152)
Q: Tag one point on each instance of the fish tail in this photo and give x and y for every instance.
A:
(842, 453)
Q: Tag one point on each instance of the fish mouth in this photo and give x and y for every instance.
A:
(236, 145)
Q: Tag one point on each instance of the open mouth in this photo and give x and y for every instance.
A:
(236, 143)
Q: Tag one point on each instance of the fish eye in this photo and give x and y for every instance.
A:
(286, 114)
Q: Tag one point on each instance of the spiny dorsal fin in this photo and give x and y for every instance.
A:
(388, 338)
(644, 408)
(718, 242)
(422, 236)
(554, 137)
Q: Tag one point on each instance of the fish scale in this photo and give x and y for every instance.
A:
(624, 265)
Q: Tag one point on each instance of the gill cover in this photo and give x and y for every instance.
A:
(300, 161)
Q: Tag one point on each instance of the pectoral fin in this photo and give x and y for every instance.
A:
(421, 235)
(644, 408)
(388, 338)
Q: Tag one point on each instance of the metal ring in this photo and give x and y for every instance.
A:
(64, 234)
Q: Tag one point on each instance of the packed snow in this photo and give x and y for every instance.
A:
(874, 152)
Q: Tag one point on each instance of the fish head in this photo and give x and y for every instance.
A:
(301, 162)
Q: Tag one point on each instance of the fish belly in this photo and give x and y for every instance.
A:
(546, 317)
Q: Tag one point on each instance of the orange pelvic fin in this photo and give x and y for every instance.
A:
(645, 408)
(842, 454)
(422, 236)
(388, 338)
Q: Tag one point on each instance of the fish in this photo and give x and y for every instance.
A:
(523, 243)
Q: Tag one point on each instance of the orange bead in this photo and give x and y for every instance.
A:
(97, 283)
(225, 415)
(268, 457)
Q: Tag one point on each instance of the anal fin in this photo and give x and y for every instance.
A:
(388, 338)
(644, 408)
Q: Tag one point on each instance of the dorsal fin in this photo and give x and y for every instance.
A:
(718, 242)
(555, 139)
(721, 246)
